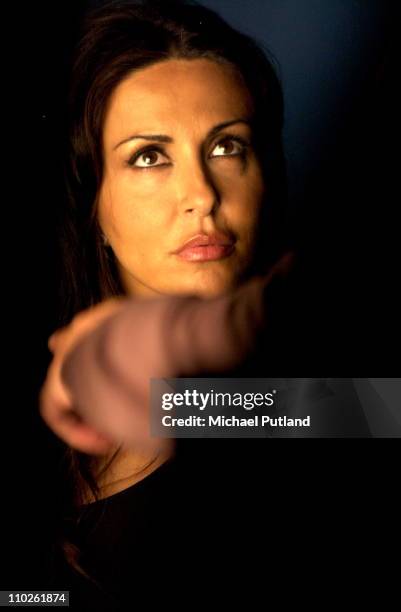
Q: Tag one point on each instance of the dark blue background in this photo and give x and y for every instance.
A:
(326, 51)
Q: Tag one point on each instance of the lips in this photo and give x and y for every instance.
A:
(205, 247)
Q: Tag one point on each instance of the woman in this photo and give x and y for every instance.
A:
(175, 188)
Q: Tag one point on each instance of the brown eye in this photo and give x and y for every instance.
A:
(148, 159)
(230, 147)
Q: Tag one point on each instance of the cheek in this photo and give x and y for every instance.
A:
(246, 200)
(129, 217)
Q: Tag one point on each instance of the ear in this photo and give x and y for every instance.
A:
(101, 231)
(105, 240)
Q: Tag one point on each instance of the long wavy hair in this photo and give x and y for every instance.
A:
(114, 40)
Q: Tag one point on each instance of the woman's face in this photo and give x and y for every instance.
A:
(179, 165)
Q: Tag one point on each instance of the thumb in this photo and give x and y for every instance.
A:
(51, 343)
(54, 339)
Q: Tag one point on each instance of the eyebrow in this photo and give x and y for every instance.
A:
(164, 138)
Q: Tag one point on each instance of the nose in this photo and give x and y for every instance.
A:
(197, 192)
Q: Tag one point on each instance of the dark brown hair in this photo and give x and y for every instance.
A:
(114, 40)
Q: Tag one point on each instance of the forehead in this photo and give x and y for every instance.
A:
(177, 93)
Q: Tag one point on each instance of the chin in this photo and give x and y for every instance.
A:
(209, 287)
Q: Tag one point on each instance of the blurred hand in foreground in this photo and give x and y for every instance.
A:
(96, 393)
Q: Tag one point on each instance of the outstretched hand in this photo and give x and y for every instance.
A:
(56, 403)
(96, 393)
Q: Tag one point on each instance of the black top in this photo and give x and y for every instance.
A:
(119, 538)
